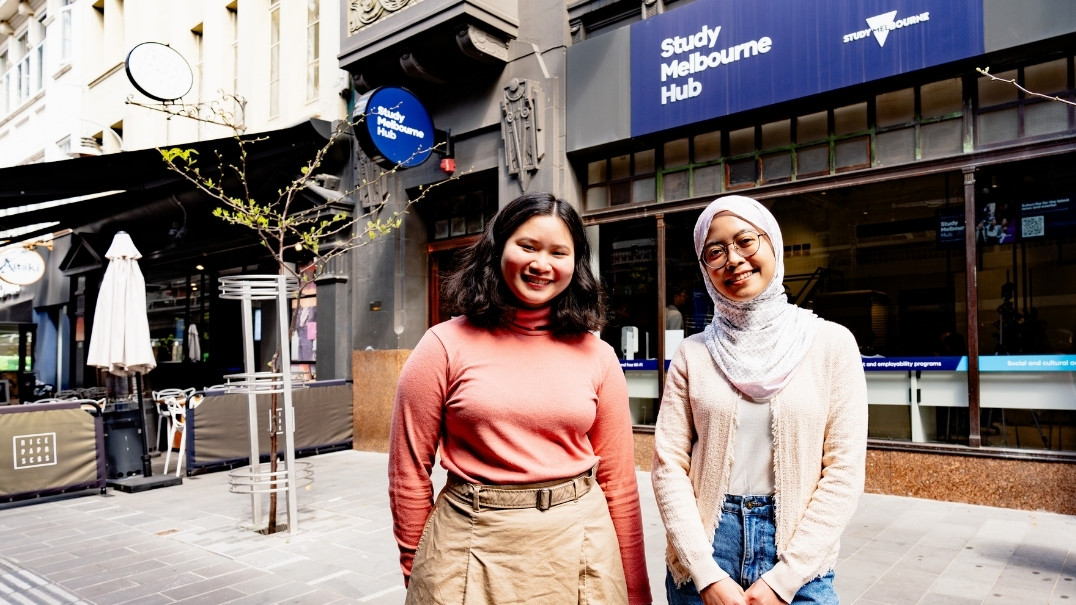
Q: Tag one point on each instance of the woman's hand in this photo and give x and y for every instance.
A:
(723, 592)
(760, 593)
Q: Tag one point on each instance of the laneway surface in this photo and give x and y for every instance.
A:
(193, 543)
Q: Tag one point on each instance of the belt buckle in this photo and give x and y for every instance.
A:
(545, 499)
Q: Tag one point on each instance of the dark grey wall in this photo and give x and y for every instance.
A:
(1007, 23)
(598, 90)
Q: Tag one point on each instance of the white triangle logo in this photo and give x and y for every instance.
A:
(878, 25)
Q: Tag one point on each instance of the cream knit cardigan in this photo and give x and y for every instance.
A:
(820, 442)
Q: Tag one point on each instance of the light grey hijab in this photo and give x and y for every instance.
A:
(759, 343)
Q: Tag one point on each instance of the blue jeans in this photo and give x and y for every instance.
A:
(745, 548)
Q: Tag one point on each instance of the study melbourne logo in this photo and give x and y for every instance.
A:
(881, 25)
(695, 53)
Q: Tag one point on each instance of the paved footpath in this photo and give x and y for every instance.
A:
(195, 543)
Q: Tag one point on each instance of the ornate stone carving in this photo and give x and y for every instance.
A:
(370, 182)
(361, 13)
(477, 44)
(520, 123)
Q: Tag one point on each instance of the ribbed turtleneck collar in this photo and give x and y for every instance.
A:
(531, 319)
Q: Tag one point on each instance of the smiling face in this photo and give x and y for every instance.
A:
(538, 260)
(741, 279)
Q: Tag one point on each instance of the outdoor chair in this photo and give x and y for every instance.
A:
(177, 425)
(163, 417)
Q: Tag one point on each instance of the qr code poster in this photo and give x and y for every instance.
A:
(1032, 226)
(34, 450)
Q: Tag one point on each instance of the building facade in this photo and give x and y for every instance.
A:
(926, 205)
(78, 144)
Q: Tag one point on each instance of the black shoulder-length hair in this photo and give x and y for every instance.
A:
(478, 290)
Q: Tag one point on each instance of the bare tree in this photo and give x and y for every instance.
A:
(986, 72)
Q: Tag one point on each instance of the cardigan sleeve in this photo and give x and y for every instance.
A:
(844, 451)
(612, 440)
(413, 439)
(674, 438)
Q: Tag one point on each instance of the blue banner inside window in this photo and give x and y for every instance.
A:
(993, 363)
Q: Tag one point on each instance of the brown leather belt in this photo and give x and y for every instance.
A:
(542, 496)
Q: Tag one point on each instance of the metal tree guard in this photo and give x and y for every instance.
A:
(258, 478)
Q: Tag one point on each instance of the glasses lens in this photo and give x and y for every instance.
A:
(747, 244)
(715, 256)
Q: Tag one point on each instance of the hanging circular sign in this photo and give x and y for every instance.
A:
(159, 71)
(393, 127)
(20, 266)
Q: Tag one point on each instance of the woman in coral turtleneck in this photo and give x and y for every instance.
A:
(530, 412)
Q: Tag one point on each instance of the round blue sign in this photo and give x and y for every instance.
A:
(396, 130)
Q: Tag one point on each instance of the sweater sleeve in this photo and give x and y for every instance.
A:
(413, 439)
(674, 437)
(613, 442)
(844, 452)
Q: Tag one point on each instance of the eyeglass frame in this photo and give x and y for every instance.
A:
(738, 251)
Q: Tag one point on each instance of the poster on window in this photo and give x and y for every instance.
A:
(305, 333)
(1051, 217)
(995, 223)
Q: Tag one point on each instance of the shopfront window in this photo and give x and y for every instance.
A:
(173, 306)
(1026, 225)
(887, 263)
(628, 260)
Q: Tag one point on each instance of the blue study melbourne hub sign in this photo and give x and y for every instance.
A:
(718, 57)
(396, 129)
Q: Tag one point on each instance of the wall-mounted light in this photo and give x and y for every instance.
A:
(199, 267)
(375, 305)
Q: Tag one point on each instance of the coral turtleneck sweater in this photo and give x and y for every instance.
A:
(509, 406)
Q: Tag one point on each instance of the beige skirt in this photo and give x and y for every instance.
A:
(470, 554)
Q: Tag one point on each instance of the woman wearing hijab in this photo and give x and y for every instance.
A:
(529, 413)
(760, 442)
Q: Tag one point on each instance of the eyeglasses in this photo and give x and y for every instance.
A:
(716, 256)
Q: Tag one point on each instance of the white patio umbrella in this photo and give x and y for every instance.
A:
(119, 341)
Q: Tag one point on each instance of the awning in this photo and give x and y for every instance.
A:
(142, 192)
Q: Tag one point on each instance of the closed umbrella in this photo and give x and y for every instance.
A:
(120, 340)
(194, 348)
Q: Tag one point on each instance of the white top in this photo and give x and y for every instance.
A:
(752, 457)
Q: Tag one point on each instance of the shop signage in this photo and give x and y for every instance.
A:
(1028, 363)
(1007, 222)
(987, 363)
(916, 364)
(1054, 217)
(713, 58)
(20, 266)
(159, 71)
(950, 228)
(395, 130)
(29, 451)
